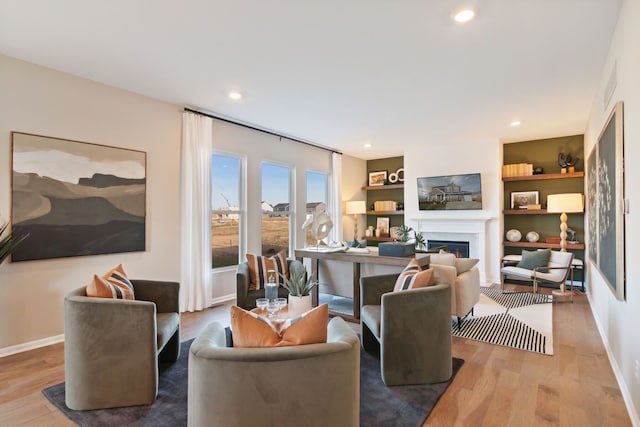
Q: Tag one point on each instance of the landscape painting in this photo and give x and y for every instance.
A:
(450, 192)
(75, 198)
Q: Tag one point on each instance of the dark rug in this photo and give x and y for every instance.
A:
(379, 405)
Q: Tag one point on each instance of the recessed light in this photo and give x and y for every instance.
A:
(516, 123)
(367, 145)
(463, 15)
(235, 95)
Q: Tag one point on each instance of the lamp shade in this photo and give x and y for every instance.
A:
(355, 207)
(565, 203)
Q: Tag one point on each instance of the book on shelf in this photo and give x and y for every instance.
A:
(552, 239)
(384, 205)
(517, 169)
(534, 207)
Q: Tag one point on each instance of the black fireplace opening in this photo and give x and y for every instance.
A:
(460, 249)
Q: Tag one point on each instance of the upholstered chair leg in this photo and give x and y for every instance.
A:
(171, 351)
(369, 341)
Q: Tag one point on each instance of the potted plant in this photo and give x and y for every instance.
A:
(8, 243)
(299, 287)
(404, 233)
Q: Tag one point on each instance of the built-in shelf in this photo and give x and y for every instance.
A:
(379, 239)
(385, 212)
(383, 187)
(543, 245)
(543, 176)
(532, 212)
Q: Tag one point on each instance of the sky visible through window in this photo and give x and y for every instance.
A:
(225, 178)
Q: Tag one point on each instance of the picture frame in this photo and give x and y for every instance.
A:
(377, 178)
(450, 192)
(86, 199)
(382, 224)
(522, 199)
(606, 203)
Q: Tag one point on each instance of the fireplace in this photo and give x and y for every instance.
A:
(460, 249)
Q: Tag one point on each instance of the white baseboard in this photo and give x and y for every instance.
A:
(626, 395)
(221, 300)
(31, 345)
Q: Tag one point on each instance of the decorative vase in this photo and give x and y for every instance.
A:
(298, 305)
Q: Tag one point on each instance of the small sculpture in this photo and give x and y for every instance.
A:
(565, 160)
(532, 237)
(571, 235)
(514, 235)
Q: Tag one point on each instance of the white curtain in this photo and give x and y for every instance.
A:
(336, 196)
(195, 265)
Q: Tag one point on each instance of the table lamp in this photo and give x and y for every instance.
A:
(563, 204)
(355, 208)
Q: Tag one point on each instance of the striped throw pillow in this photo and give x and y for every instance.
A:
(259, 267)
(413, 277)
(115, 284)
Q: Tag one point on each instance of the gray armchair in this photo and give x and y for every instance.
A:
(112, 346)
(411, 328)
(246, 298)
(310, 385)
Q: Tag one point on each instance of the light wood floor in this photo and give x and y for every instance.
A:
(496, 386)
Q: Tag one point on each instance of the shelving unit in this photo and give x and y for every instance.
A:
(543, 153)
(391, 191)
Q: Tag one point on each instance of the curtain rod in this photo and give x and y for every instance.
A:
(213, 116)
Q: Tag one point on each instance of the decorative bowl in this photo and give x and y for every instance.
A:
(532, 237)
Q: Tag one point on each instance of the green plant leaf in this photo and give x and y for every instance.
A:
(8, 243)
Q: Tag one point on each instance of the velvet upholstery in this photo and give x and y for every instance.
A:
(246, 298)
(304, 385)
(112, 347)
(411, 328)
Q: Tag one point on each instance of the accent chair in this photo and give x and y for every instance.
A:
(410, 328)
(112, 346)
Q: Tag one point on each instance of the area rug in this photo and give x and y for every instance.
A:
(517, 320)
(379, 405)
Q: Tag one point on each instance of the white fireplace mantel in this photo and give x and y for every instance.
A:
(470, 228)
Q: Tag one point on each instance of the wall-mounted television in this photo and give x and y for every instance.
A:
(450, 192)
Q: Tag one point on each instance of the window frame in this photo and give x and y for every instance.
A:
(291, 213)
(241, 212)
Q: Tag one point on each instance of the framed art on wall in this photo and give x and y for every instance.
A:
(76, 198)
(450, 192)
(606, 203)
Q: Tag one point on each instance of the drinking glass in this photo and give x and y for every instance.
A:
(261, 303)
(272, 307)
(281, 302)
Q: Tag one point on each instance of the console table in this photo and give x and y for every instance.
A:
(357, 259)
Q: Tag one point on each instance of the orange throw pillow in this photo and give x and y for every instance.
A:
(115, 284)
(252, 330)
(413, 277)
(259, 267)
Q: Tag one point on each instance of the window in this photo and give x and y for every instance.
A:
(276, 208)
(226, 209)
(317, 198)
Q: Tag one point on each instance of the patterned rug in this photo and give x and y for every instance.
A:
(514, 320)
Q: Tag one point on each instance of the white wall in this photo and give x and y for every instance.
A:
(618, 320)
(42, 101)
(451, 158)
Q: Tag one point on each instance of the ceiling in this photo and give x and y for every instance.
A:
(392, 73)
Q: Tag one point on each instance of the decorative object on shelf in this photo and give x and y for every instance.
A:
(566, 161)
(571, 236)
(377, 178)
(91, 197)
(396, 249)
(450, 192)
(538, 170)
(397, 176)
(382, 227)
(400, 206)
(607, 203)
(532, 237)
(521, 199)
(355, 208)
(9, 242)
(534, 207)
(563, 204)
(517, 169)
(514, 235)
